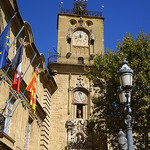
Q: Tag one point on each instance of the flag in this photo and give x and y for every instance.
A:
(32, 89)
(16, 65)
(4, 44)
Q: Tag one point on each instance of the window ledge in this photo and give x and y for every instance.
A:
(6, 141)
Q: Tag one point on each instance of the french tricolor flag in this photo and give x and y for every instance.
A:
(16, 65)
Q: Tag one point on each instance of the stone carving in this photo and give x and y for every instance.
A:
(79, 135)
(80, 81)
(70, 88)
(80, 21)
(79, 97)
(24, 104)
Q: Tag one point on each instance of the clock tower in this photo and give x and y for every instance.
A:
(80, 38)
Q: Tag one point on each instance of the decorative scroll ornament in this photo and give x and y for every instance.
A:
(80, 81)
(80, 21)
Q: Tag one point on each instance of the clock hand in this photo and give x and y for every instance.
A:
(80, 35)
(80, 96)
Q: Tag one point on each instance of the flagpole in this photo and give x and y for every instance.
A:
(17, 105)
(38, 66)
(10, 20)
(4, 75)
(20, 81)
(9, 66)
(13, 111)
(14, 14)
(16, 36)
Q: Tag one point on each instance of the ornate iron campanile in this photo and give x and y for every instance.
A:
(80, 7)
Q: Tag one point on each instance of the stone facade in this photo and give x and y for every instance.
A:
(63, 110)
(80, 38)
(24, 131)
(67, 42)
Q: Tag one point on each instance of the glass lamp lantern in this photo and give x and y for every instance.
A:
(125, 75)
(123, 96)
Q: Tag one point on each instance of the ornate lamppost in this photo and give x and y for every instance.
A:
(125, 74)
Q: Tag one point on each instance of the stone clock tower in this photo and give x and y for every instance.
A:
(80, 38)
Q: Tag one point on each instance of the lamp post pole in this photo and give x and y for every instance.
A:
(129, 124)
(125, 74)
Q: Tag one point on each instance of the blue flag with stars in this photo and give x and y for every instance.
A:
(4, 45)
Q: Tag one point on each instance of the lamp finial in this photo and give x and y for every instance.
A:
(125, 61)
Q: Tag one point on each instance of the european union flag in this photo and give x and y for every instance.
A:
(4, 45)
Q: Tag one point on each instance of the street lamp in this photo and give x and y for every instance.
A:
(125, 75)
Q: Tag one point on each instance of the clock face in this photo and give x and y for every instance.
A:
(80, 97)
(80, 38)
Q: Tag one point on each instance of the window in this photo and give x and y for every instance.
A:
(80, 60)
(8, 116)
(28, 134)
(79, 111)
(73, 22)
(79, 103)
(89, 23)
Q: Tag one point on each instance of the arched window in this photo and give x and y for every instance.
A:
(79, 105)
(80, 60)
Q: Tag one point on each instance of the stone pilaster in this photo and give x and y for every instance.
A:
(44, 142)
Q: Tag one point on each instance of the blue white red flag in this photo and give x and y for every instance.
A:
(16, 65)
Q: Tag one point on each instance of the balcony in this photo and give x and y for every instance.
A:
(80, 12)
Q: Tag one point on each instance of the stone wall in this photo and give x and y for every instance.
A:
(25, 131)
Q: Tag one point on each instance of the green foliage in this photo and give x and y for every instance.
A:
(108, 112)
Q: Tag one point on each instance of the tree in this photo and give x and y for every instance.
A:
(108, 112)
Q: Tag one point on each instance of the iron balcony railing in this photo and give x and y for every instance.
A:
(52, 59)
(82, 13)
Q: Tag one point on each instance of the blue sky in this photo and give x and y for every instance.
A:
(120, 16)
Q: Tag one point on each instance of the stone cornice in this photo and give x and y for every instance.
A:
(6, 141)
(68, 68)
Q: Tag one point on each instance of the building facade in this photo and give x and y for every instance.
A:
(24, 131)
(80, 38)
(64, 93)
